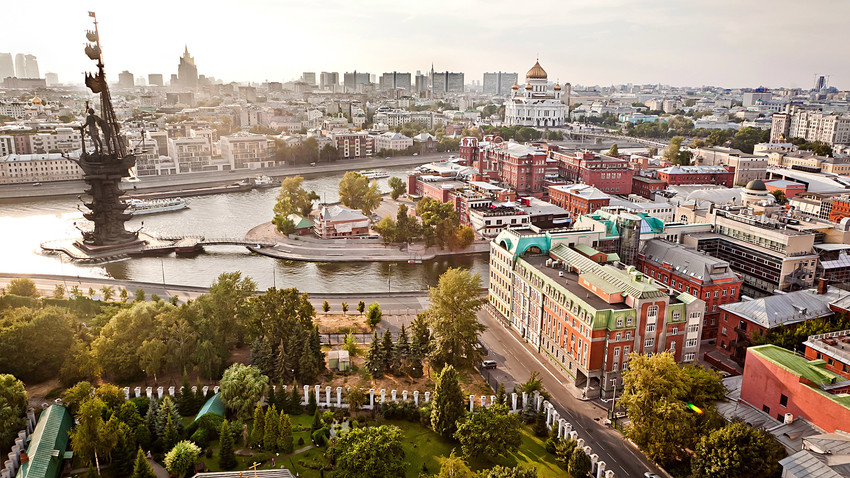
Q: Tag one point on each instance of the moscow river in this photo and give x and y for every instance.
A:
(26, 223)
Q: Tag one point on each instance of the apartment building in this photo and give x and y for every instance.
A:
(827, 128)
(190, 154)
(609, 174)
(37, 168)
(584, 316)
(251, 151)
(353, 144)
(578, 199)
(686, 175)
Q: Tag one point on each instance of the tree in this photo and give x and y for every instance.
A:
(374, 315)
(326, 307)
(614, 151)
(123, 296)
(258, 428)
(375, 358)
(361, 306)
(356, 399)
(780, 196)
(371, 452)
(112, 396)
(489, 432)
(226, 456)
(388, 350)
(579, 464)
(152, 354)
(107, 292)
(139, 295)
(169, 435)
(746, 138)
(656, 392)
(182, 458)
(122, 457)
(59, 291)
(13, 408)
(356, 192)
(401, 352)
(142, 469)
(736, 451)
(564, 451)
(272, 429)
(344, 308)
(454, 467)
(24, 287)
(293, 198)
(284, 441)
(464, 236)
(92, 438)
(448, 400)
(501, 395)
(452, 317)
(500, 471)
(397, 186)
(242, 386)
(312, 406)
(350, 345)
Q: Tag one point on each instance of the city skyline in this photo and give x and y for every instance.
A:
(583, 43)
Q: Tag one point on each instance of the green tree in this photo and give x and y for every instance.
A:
(397, 187)
(284, 441)
(370, 452)
(579, 465)
(448, 400)
(500, 471)
(142, 469)
(356, 192)
(107, 292)
(736, 451)
(312, 406)
(226, 456)
(293, 198)
(455, 467)
(374, 315)
(671, 153)
(13, 408)
(258, 428)
(271, 430)
(326, 307)
(401, 352)
(361, 306)
(139, 295)
(564, 451)
(169, 435)
(501, 395)
(356, 398)
(780, 196)
(614, 151)
(123, 296)
(388, 350)
(59, 291)
(350, 345)
(746, 138)
(112, 396)
(92, 437)
(24, 287)
(152, 357)
(375, 358)
(489, 432)
(182, 458)
(242, 386)
(344, 308)
(125, 450)
(452, 317)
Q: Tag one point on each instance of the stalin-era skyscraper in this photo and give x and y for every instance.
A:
(104, 165)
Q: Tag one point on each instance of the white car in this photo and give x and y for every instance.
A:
(651, 475)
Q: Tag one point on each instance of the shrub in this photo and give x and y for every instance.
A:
(319, 437)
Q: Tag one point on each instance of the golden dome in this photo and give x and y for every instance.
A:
(36, 100)
(557, 87)
(528, 86)
(515, 87)
(537, 72)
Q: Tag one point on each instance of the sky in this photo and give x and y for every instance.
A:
(729, 43)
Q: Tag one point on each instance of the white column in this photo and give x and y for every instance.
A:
(306, 394)
(283, 389)
(580, 442)
(548, 410)
(539, 401)
(573, 435)
(471, 402)
(513, 400)
(328, 396)
(126, 393)
(318, 394)
(493, 400)
(338, 397)
(138, 391)
(160, 392)
(205, 389)
(561, 424)
(427, 397)
(524, 399)
(404, 395)
(416, 397)
(194, 389)
(594, 461)
(393, 394)
(609, 474)
(483, 401)
(600, 469)
(371, 398)
(383, 395)
(216, 389)
(171, 390)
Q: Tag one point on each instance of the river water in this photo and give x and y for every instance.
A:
(25, 224)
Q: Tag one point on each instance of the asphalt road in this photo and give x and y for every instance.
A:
(515, 362)
(155, 183)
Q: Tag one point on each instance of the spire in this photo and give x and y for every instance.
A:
(186, 50)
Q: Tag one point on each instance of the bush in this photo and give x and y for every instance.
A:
(301, 441)
(400, 411)
(319, 437)
(200, 438)
(425, 415)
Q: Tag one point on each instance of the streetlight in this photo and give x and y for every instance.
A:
(613, 400)
(390, 277)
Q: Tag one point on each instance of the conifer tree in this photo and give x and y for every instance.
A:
(142, 469)
(401, 354)
(170, 436)
(388, 349)
(270, 436)
(258, 429)
(375, 357)
(448, 405)
(124, 453)
(284, 442)
(226, 458)
(312, 406)
(295, 407)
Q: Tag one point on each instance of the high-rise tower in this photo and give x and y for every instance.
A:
(187, 72)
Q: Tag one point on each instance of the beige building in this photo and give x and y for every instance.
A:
(812, 126)
(36, 168)
(805, 159)
(748, 167)
(190, 154)
(243, 150)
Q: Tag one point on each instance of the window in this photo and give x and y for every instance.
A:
(716, 293)
(615, 366)
(689, 357)
(724, 292)
(673, 347)
(691, 343)
(652, 313)
(650, 327)
(618, 336)
(619, 322)
(765, 409)
(629, 335)
(676, 315)
(649, 342)
(626, 350)
(675, 331)
(783, 400)
(629, 322)
(616, 352)
(723, 331)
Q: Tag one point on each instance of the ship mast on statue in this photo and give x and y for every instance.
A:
(105, 165)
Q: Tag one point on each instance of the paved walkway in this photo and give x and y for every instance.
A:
(158, 469)
(309, 248)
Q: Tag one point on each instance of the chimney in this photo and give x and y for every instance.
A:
(823, 286)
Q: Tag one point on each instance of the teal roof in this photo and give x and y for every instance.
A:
(299, 221)
(49, 438)
(213, 405)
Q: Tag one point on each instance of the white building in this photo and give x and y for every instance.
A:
(812, 126)
(536, 105)
(32, 168)
(190, 154)
(392, 141)
(245, 150)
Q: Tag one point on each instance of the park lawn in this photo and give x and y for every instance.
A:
(422, 445)
(532, 453)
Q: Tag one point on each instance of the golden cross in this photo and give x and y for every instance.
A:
(254, 467)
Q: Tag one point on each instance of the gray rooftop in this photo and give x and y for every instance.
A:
(569, 281)
(687, 262)
(783, 309)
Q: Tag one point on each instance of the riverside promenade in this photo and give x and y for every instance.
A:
(216, 178)
(314, 249)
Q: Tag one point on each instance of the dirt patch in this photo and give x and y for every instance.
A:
(341, 324)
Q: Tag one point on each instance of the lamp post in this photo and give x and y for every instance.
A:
(390, 278)
(614, 400)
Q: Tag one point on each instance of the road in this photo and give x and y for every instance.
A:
(211, 178)
(515, 361)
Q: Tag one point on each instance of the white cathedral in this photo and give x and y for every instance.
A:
(537, 106)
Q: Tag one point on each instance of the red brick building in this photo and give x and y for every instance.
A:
(647, 187)
(607, 173)
(833, 348)
(684, 175)
(578, 199)
(739, 321)
(780, 382)
(692, 272)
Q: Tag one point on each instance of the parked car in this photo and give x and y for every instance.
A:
(481, 349)
(651, 475)
(36, 184)
(488, 364)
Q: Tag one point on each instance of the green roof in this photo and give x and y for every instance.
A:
(213, 405)
(585, 249)
(300, 221)
(812, 370)
(49, 438)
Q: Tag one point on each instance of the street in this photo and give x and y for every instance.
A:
(516, 360)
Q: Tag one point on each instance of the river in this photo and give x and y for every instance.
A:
(26, 223)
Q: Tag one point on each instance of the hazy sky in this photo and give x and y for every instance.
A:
(730, 43)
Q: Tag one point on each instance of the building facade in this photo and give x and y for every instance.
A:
(38, 168)
(686, 175)
(607, 173)
(499, 83)
(250, 151)
(353, 144)
(827, 128)
(578, 199)
(535, 106)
